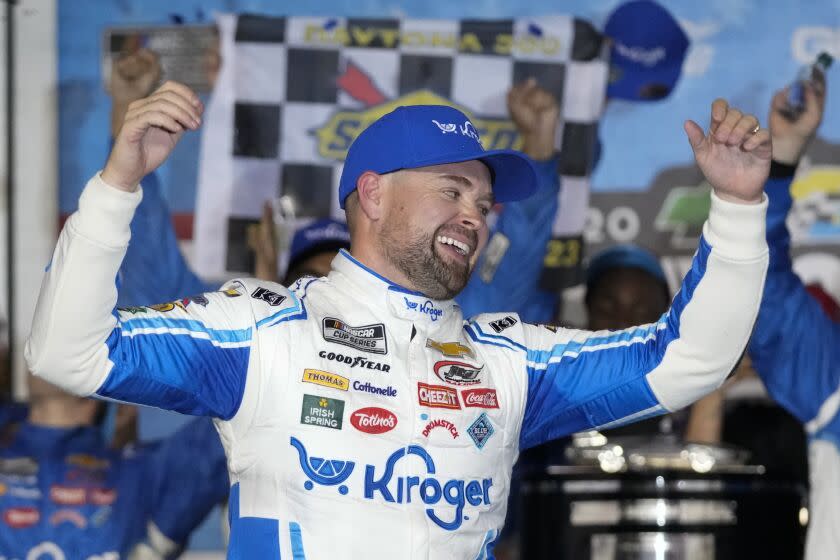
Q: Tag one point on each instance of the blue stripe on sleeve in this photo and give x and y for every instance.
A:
(296, 542)
(602, 381)
(251, 537)
(177, 372)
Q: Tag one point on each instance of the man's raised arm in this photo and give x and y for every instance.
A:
(190, 355)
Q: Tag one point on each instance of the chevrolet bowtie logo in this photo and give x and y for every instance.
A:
(450, 349)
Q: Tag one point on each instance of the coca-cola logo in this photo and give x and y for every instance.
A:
(103, 496)
(21, 517)
(373, 420)
(481, 398)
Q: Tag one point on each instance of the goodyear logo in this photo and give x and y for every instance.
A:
(326, 379)
(335, 137)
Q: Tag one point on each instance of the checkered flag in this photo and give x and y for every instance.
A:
(294, 92)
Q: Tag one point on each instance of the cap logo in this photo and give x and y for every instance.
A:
(446, 127)
(640, 55)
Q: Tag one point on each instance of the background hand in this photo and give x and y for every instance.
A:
(791, 137)
(150, 131)
(734, 159)
(535, 113)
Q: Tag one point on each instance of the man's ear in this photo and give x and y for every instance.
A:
(371, 194)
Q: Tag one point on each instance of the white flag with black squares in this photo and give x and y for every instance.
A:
(294, 92)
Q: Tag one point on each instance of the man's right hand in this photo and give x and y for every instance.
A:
(791, 137)
(535, 113)
(149, 133)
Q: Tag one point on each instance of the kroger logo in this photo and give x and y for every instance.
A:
(427, 308)
(430, 490)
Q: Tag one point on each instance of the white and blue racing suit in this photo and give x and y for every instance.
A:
(796, 351)
(363, 420)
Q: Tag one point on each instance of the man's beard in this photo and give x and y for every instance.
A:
(417, 258)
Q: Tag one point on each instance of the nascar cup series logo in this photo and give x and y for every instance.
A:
(432, 491)
(369, 338)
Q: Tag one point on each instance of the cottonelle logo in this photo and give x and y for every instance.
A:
(431, 490)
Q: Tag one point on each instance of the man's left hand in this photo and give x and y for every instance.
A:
(735, 154)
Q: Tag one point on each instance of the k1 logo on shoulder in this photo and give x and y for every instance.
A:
(370, 338)
(503, 323)
(455, 493)
(458, 373)
(271, 298)
(322, 411)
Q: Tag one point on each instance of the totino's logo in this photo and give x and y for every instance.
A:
(373, 420)
(370, 338)
(21, 517)
(437, 396)
(431, 490)
(336, 135)
(457, 373)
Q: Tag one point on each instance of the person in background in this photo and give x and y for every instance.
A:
(66, 493)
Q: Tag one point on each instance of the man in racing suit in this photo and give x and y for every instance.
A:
(796, 346)
(361, 415)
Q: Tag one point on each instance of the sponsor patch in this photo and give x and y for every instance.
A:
(19, 466)
(368, 387)
(450, 349)
(322, 411)
(325, 379)
(231, 292)
(271, 298)
(354, 361)
(457, 373)
(68, 495)
(373, 420)
(68, 516)
(425, 307)
(481, 398)
(370, 338)
(87, 462)
(445, 500)
(551, 328)
(503, 323)
(103, 496)
(133, 310)
(21, 517)
(481, 430)
(441, 423)
(437, 396)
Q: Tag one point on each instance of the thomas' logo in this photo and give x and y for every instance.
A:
(370, 338)
(325, 379)
(373, 420)
(457, 373)
(431, 490)
(450, 349)
(437, 396)
(336, 135)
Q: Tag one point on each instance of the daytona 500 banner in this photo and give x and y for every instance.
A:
(293, 93)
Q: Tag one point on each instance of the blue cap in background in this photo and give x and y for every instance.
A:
(422, 135)
(624, 256)
(647, 52)
(325, 234)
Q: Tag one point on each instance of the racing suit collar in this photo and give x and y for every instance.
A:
(379, 292)
(59, 440)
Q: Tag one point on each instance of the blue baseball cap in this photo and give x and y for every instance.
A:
(422, 135)
(624, 256)
(648, 50)
(325, 234)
